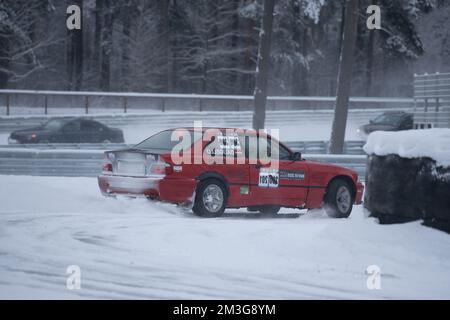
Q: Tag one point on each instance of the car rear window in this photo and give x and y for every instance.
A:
(55, 124)
(163, 140)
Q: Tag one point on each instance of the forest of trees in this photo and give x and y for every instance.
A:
(210, 46)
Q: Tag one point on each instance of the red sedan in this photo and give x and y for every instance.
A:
(212, 169)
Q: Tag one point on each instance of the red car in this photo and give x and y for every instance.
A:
(212, 169)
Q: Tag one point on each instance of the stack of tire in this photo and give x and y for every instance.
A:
(400, 190)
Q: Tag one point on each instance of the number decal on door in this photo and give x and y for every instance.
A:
(268, 178)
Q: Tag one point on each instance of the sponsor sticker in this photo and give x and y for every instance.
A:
(292, 175)
(225, 145)
(244, 190)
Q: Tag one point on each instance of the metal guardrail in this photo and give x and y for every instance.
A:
(65, 146)
(321, 147)
(307, 147)
(355, 162)
(432, 100)
(87, 163)
(432, 118)
(86, 102)
(69, 163)
(434, 86)
(243, 119)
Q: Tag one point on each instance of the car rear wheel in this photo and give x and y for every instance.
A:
(210, 199)
(338, 199)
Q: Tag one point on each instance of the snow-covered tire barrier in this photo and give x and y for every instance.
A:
(408, 177)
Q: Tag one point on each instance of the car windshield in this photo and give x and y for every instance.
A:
(387, 119)
(54, 124)
(165, 141)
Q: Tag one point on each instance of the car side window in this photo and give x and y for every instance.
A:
(407, 123)
(72, 127)
(91, 126)
(284, 153)
(250, 144)
(225, 145)
(253, 145)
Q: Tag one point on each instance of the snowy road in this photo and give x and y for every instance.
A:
(138, 249)
(4, 138)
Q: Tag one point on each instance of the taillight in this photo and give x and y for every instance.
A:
(107, 164)
(160, 168)
(107, 167)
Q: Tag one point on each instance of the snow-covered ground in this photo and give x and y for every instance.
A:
(139, 249)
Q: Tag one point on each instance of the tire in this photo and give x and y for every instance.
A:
(210, 199)
(269, 210)
(338, 200)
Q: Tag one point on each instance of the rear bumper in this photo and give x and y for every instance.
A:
(13, 141)
(359, 192)
(162, 188)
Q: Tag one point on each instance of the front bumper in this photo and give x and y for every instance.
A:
(171, 190)
(359, 193)
(361, 133)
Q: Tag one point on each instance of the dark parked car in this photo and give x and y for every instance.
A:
(388, 121)
(68, 130)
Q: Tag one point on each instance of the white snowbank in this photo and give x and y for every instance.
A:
(432, 143)
(140, 249)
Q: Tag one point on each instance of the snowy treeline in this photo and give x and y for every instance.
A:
(210, 46)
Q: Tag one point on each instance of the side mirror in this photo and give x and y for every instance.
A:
(296, 156)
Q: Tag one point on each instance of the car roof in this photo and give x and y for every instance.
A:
(203, 129)
(396, 112)
(84, 118)
(67, 118)
(247, 131)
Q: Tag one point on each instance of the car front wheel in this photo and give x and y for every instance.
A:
(210, 199)
(338, 199)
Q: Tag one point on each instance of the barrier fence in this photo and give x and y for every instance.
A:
(307, 147)
(13, 102)
(243, 119)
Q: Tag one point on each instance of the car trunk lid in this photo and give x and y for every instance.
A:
(135, 162)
